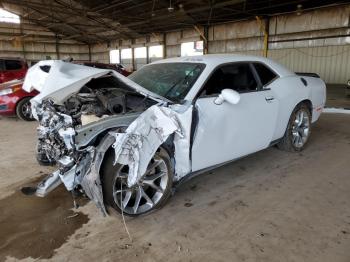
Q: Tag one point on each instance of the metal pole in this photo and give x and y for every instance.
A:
(164, 45)
(57, 47)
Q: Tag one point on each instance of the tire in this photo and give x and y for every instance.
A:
(23, 109)
(114, 178)
(296, 137)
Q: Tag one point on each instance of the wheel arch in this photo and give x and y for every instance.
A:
(107, 140)
(21, 99)
(17, 109)
(308, 103)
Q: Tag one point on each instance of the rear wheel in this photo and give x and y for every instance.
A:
(298, 130)
(24, 109)
(150, 193)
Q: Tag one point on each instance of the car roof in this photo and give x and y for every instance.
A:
(214, 60)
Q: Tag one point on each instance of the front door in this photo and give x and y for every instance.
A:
(226, 132)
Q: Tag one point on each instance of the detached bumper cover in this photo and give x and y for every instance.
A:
(91, 181)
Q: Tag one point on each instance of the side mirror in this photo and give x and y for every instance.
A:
(228, 95)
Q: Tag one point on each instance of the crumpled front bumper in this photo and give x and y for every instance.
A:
(85, 172)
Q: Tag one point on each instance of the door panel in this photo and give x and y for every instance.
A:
(226, 132)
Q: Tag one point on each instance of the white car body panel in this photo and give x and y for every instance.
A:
(226, 132)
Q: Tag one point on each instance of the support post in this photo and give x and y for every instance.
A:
(264, 28)
(120, 51)
(133, 55)
(164, 46)
(266, 36)
(89, 52)
(147, 55)
(57, 47)
(22, 41)
(206, 40)
(147, 50)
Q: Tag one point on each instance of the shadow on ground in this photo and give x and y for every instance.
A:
(34, 227)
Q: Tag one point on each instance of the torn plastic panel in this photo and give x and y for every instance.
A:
(91, 180)
(144, 136)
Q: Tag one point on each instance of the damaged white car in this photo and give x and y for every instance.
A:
(127, 142)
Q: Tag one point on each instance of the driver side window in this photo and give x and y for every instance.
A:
(237, 76)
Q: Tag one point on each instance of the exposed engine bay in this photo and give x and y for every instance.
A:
(96, 100)
(102, 97)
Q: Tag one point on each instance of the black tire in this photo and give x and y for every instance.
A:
(23, 110)
(42, 158)
(109, 174)
(286, 143)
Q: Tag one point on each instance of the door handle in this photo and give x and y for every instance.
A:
(269, 99)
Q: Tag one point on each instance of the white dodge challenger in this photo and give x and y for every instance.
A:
(127, 142)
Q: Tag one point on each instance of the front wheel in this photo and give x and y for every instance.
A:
(298, 130)
(24, 109)
(150, 193)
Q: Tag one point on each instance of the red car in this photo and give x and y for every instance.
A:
(15, 101)
(12, 68)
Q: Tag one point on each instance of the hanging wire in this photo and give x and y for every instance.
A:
(122, 208)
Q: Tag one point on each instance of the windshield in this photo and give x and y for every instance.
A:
(170, 80)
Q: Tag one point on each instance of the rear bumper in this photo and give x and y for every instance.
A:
(316, 113)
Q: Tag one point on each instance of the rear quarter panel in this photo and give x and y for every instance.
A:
(289, 91)
(318, 96)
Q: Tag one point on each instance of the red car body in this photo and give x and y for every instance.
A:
(12, 68)
(11, 93)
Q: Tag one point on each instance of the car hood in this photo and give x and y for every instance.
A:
(58, 80)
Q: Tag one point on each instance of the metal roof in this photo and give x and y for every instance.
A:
(96, 21)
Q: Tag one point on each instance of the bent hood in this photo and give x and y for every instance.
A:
(59, 80)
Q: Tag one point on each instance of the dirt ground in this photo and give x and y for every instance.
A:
(270, 206)
(337, 97)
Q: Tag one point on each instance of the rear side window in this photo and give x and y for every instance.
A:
(266, 75)
(13, 64)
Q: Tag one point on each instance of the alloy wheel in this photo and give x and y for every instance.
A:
(300, 128)
(147, 193)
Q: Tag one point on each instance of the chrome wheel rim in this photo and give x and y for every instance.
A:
(300, 128)
(146, 194)
(27, 110)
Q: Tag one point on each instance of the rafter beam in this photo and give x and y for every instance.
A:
(79, 31)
